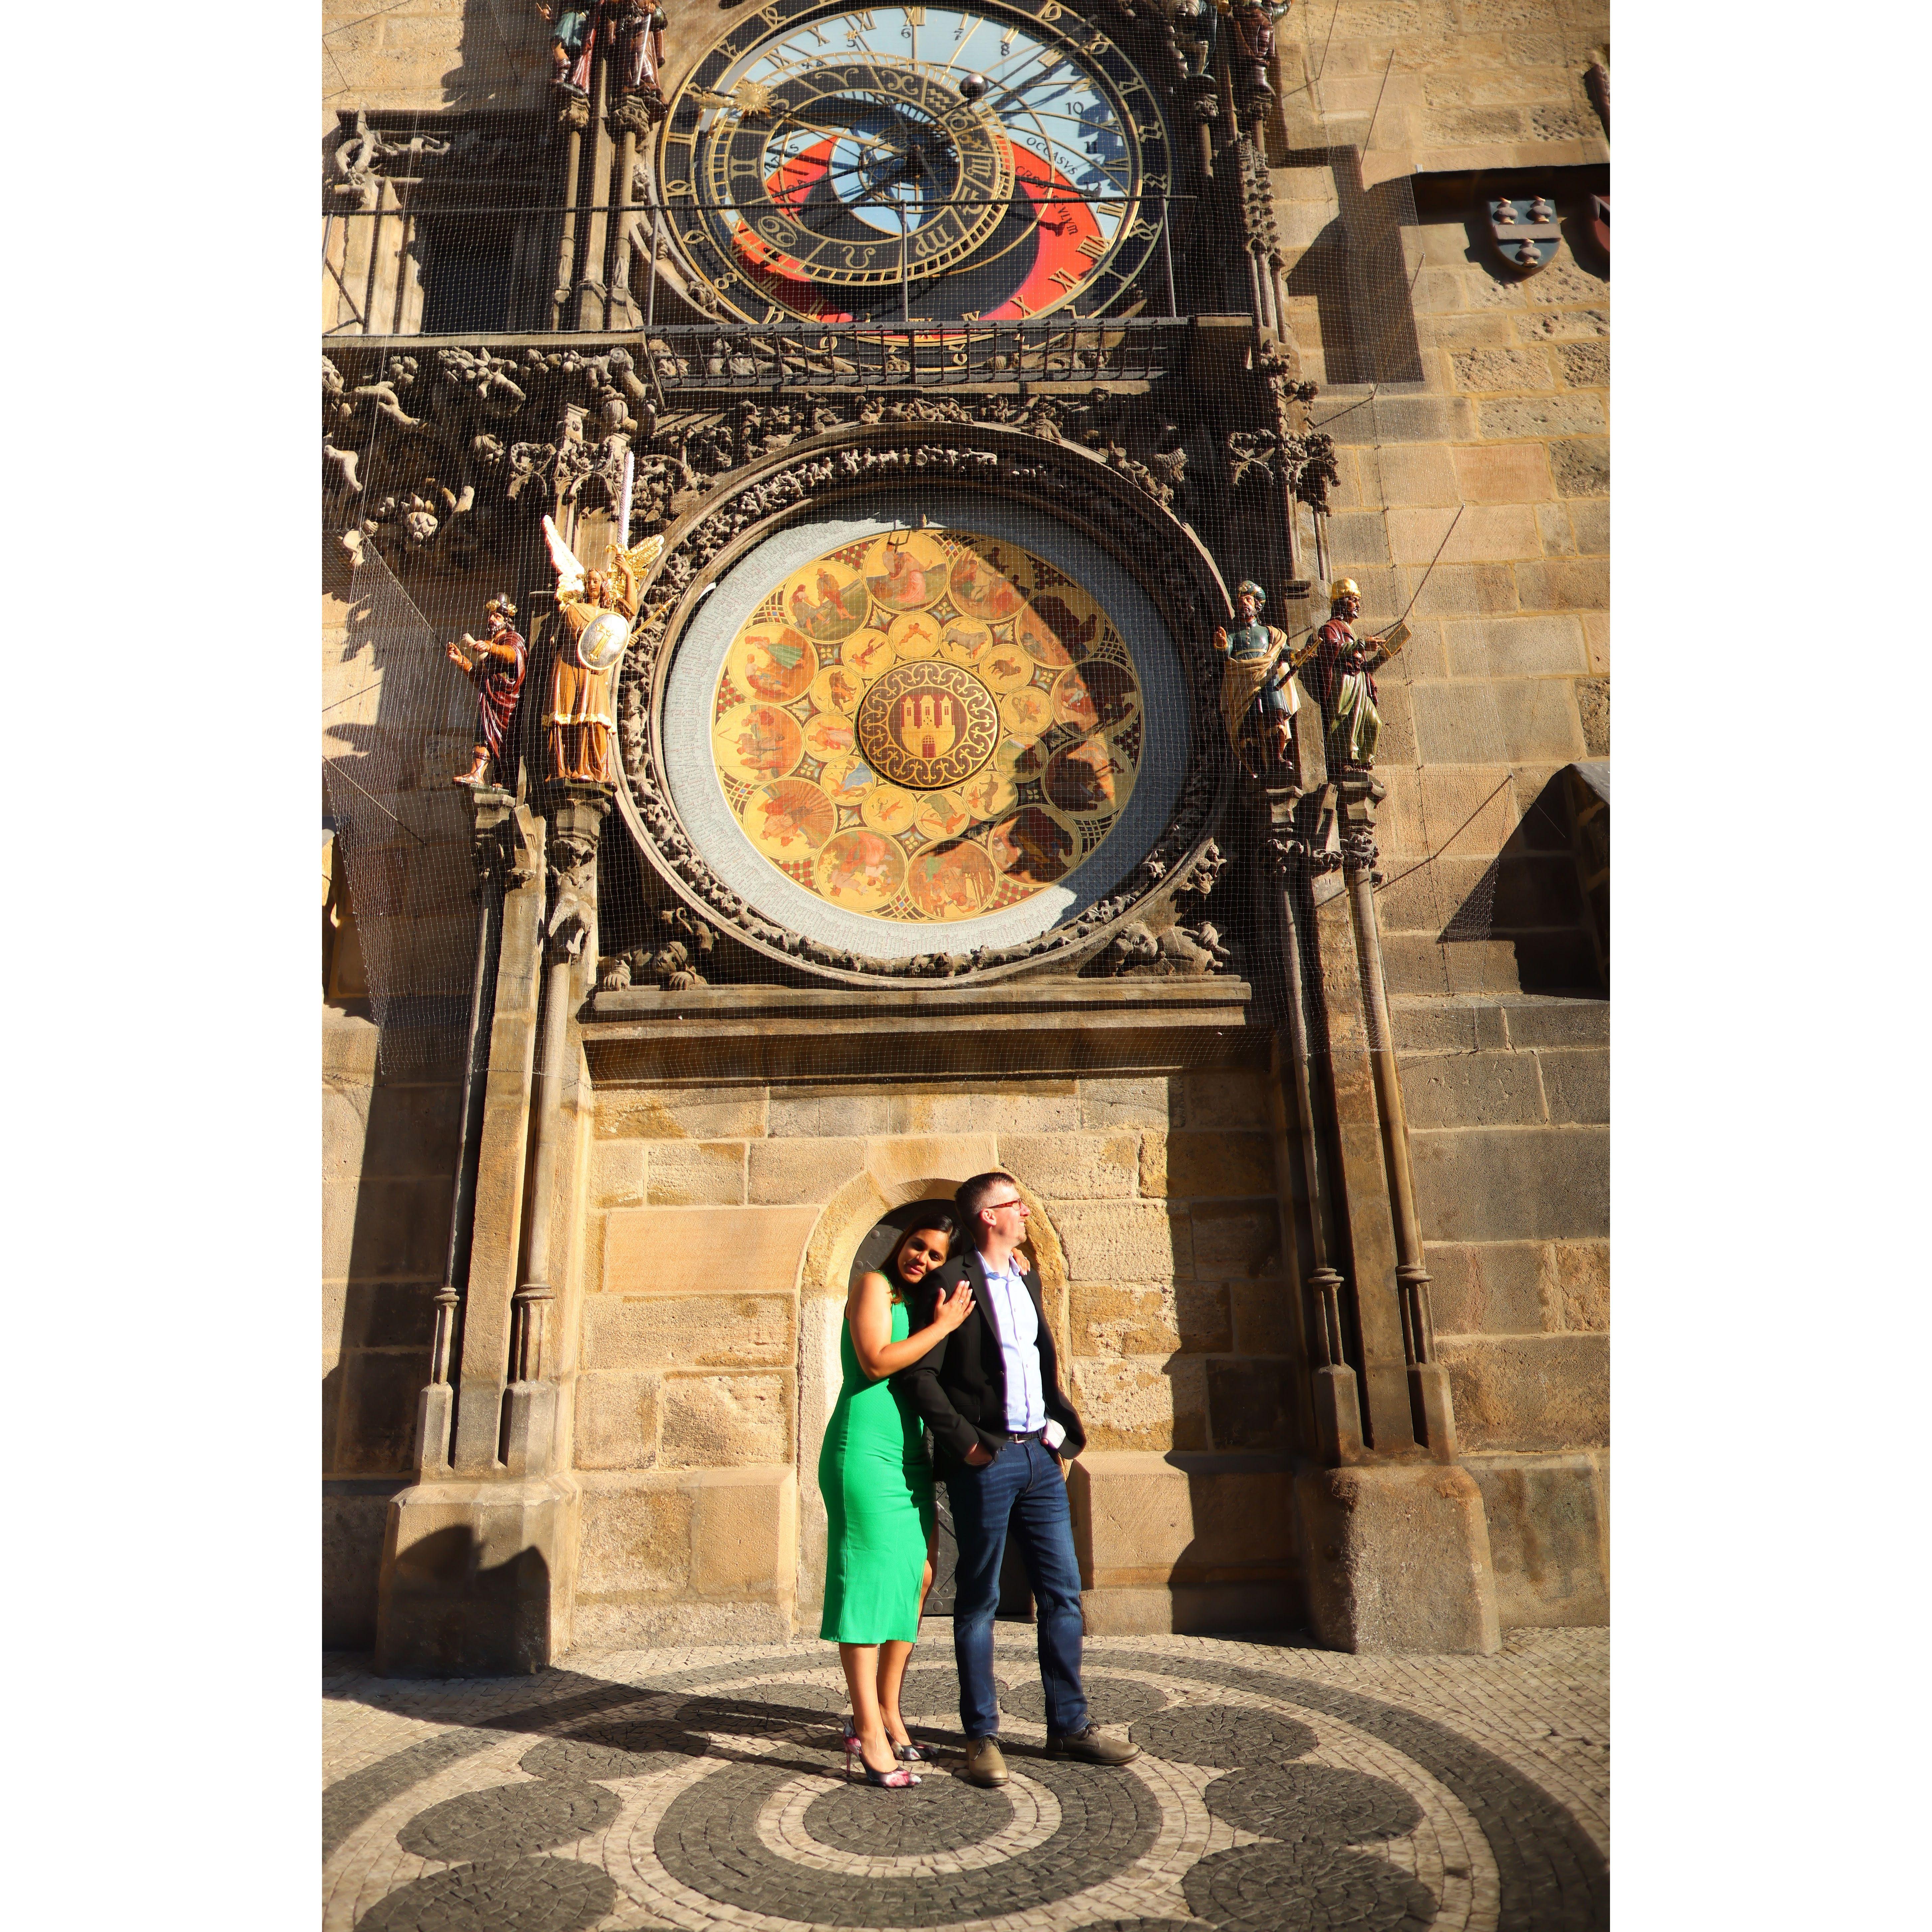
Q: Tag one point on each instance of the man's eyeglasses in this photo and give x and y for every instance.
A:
(994, 1207)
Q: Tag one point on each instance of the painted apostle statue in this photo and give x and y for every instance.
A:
(495, 665)
(1253, 23)
(1342, 676)
(1258, 686)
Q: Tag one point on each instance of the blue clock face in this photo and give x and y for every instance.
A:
(947, 164)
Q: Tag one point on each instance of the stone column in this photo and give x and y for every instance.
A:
(478, 1557)
(1365, 1224)
(1430, 1410)
(591, 291)
(1395, 1548)
(574, 117)
(498, 1212)
(1337, 1401)
(576, 813)
(497, 856)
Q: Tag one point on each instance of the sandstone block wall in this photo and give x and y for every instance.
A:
(707, 1231)
(1471, 83)
(1503, 417)
(720, 1229)
(435, 55)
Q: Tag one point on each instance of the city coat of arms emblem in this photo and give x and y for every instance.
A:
(1523, 231)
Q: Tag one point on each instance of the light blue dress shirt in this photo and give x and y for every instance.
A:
(1019, 1348)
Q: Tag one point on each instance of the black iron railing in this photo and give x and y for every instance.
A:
(441, 265)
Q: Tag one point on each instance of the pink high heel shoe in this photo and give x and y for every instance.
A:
(896, 1779)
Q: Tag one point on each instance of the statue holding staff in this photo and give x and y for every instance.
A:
(1342, 679)
(638, 48)
(495, 665)
(1258, 686)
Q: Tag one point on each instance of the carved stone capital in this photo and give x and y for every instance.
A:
(499, 842)
(576, 812)
(1358, 794)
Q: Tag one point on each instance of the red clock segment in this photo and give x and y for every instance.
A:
(783, 277)
(1069, 238)
(1065, 243)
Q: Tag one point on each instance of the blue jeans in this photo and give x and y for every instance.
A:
(1020, 1489)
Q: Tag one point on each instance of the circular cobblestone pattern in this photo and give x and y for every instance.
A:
(1277, 1889)
(1110, 1700)
(531, 1895)
(507, 1818)
(708, 1841)
(950, 1817)
(930, 1692)
(612, 1751)
(1273, 1797)
(1313, 1804)
(1223, 1736)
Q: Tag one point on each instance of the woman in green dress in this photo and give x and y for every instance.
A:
(878, 1486)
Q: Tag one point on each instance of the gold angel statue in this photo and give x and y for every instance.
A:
(597, 608)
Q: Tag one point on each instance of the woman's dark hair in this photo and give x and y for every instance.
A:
(934, 1217)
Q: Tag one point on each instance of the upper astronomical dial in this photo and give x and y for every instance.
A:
(863, 172)
(978, 163)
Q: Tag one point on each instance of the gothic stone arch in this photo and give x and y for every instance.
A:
(825, 1277)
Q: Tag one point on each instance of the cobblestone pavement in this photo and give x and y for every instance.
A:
(1279, 1789)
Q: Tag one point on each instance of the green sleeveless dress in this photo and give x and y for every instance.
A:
(878, 1486)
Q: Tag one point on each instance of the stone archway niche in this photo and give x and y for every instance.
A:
(856, 1231)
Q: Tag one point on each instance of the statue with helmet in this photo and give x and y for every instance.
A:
(596, 608)
(1341, 674)
(495, 665)
(1258, 686)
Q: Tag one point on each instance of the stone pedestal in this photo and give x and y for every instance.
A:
(477, 1578)
(1396, 1558)
(1184, 1541)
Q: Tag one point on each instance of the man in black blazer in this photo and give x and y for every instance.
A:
(990, 1392)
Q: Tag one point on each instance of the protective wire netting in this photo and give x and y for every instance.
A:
(452, 238)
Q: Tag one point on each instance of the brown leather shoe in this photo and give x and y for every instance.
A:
(1093, 1746)
(984, 1764)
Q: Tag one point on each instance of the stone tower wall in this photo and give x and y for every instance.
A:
(697, 1400)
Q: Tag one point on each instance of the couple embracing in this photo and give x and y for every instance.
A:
(950, 1335)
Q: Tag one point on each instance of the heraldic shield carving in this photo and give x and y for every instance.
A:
(1523, 233)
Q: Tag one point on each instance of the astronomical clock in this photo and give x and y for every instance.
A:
(945, 164)
(922, 683)
(895, 739)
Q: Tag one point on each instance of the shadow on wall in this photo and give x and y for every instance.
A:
(502, 60)
(1547, 891)
(451, 1615)
(394, 1140)
(1353, 270)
